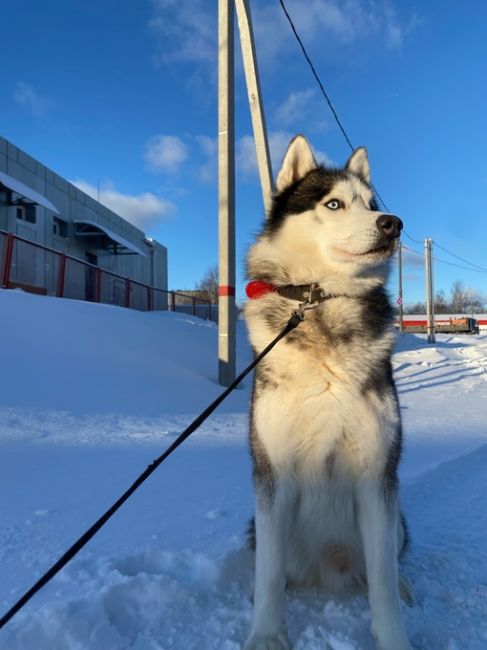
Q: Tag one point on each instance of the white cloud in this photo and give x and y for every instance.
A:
(186, 31)
(295, 107)
(165, 153)
(278, 143)
(302, 107)
(207, 144)
(246, 160)
(208, 172)
(26, 96)
(245, 156)
(142, 210)
(324, 159)
(326, 22)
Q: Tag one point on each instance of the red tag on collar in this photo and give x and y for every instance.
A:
(257, 289)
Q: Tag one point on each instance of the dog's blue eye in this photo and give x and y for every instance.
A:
(333, 204)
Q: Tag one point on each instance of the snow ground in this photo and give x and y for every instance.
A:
(90, 394)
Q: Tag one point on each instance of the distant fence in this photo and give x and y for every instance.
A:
(45, 271)
(419, 320)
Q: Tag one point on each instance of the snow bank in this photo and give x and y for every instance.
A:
(93, 393)
(85, 358)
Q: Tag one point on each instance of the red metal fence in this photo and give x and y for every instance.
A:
(419, 320)
(38, 269)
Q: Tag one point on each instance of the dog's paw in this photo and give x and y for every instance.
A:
(394, 646)
(393, 643)
(260, 642)
(390, 635)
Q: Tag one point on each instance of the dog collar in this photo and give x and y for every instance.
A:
(309, 293)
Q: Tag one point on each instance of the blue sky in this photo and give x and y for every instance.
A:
(124, 94)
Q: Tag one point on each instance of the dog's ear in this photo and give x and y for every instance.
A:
(298, 161)
(358, 163)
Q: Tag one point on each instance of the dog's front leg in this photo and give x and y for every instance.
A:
(377, 514)
(272, 518)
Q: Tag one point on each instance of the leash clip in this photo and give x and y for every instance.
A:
(310, 303)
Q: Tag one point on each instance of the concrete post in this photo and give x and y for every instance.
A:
(226, 194)
(400, 300)
(255, 99)
(430, 307)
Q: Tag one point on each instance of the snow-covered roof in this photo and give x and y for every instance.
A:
(27, 192)
(99, 230)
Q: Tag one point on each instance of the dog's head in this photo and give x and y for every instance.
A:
(324, 222)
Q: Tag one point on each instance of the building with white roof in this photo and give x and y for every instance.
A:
(39, 207)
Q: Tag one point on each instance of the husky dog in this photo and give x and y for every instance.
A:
(325, 426)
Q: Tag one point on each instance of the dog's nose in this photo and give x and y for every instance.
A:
(390, 225)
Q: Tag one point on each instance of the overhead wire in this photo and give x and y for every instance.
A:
(315, 74)
(439, 259)
(480, 268)
(324, 93)
(416, 241)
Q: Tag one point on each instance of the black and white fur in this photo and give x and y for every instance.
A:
(325, 426)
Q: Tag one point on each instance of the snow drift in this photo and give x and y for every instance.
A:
(90, 394)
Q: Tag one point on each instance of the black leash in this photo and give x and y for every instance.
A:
(297, 317)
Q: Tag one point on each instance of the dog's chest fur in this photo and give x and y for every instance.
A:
(324, 403)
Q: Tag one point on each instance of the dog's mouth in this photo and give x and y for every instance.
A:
(377, 252)
(384, 249)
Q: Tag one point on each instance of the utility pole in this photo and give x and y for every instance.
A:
(255, 99)
(226, 194)
(430, 306)
(400, 300)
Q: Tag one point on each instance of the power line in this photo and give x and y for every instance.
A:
(472, 267)
(476, 267)
(412, 250)
(416, 241)
(438, 259)
(459, 266)
(480, 268)
(376, 191)
(325, 94)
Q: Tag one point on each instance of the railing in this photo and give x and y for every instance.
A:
(42, 270)
(419, 320)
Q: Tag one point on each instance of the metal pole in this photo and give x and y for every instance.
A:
(61, 276)
(430, 310)
(255, 99)
(7, 265)
(127, 292)
(400, 301)
(226, 194)
(98, 285)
